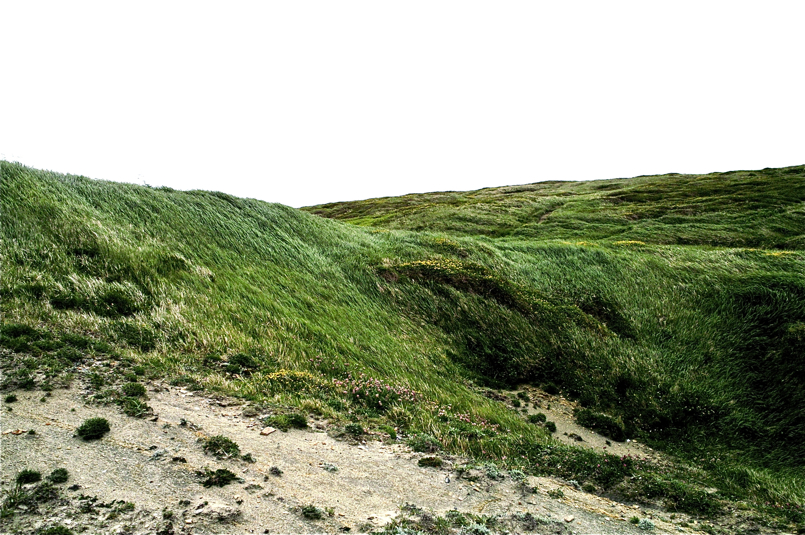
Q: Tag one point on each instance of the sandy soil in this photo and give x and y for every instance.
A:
(138, 462)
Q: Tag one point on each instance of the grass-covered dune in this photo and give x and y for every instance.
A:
(734, 209)
(672, 307)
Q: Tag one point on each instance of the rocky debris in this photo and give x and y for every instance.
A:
(267, 431)
(215, 513)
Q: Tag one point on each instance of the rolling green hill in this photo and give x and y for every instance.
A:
(735, 209)
(672, 307)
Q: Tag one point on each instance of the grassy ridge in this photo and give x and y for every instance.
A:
(695, 349)
(736, 209)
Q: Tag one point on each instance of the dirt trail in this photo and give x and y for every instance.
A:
(143, 461)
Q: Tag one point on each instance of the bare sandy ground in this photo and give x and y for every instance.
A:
(139, 462)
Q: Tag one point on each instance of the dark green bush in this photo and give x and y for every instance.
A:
(28, 476)
(537, 418)
(70, 353)
(550, 426)
(218, 478)
(59, 475)
(11, 398)
(283, 422)
(390, 431)
(312, 512)
(93, 428)
(55, 530)
(134, 390)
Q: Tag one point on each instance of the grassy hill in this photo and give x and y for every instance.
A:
(671, 307)
(734, 209)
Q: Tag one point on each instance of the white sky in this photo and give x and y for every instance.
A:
(304, 102)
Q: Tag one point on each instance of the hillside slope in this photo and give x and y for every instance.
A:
(697, 350)
(735, 209)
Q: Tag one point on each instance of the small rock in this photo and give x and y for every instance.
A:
(570, 518)
(267, 431)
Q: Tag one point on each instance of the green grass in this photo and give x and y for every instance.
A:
(675, 305)
(735, 209)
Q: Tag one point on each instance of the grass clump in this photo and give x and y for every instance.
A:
(134, 390)
(133, 406)
(93, 429)
(55, 530)
(10, 398)
(550, 426)
(430, 462)
(59, 475)
(354, 429)
(284, 422)
(311, 512)
(538, 418)
(221, 446)
(390, 431)
(28, 476)
(218, 478)
(423, 442)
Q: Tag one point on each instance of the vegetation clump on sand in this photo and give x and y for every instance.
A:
(93, 429)
(670, 308)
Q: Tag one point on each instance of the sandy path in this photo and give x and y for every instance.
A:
(134, 463)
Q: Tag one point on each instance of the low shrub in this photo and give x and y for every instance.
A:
(28, 476)
(311, 512)
(11, 398)
(390, 431)
(550, 426)
(134, 407)
(55, 530)
(93, 428)
(221, 446)
(59, 475)
(537, 418)
(133, 390)
(283, 422)
(218, 478)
